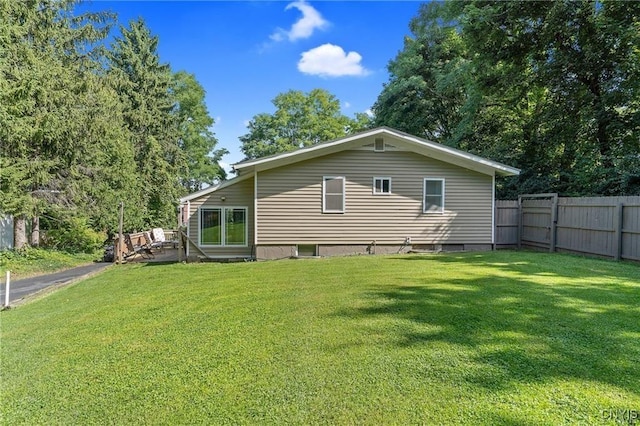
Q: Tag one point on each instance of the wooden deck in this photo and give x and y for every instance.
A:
(167, 255)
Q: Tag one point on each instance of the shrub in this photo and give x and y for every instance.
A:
(75, 236)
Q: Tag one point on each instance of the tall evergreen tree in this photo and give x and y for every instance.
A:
(110, 173)
(196, 140)
(45, 61)
(144, 85)
(81, 130)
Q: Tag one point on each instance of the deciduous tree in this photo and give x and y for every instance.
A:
(426, 88)
(301, 119)
(550, 87)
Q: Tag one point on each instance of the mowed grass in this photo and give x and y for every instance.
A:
(472, 338)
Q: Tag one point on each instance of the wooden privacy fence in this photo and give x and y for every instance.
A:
(602, 226)
(506, 223)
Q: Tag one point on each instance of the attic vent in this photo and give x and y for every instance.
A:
(379, 145)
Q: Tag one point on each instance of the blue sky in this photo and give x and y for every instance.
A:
(244, 53)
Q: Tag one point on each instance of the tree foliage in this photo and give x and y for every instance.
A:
(425, 92)
(196, 141)
(83, 127)
(550, 87)
(300, 120)
(144, 83)
(47, 69)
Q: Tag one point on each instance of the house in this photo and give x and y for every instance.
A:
(379, 191)
(6, 232)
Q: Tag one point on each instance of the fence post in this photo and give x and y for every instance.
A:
(7, 289)
(519, 222)
(617, 228)
(554, 223)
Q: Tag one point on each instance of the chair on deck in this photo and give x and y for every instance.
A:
(134, 247)
(159, 239)
(150, 242)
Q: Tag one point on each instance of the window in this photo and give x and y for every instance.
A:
(234, 231)
(378, 145)
(235, 227)
(210, 227)
(381, 185)
(333, 194)
(307, 250)
(434, 196)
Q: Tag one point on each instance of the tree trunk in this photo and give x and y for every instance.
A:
(19, 232)
(35, 231)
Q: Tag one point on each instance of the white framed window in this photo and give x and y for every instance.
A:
(378, 145)
(381, 185)
(433, 200)
(223, 226)
(333, 194)
(235, 226)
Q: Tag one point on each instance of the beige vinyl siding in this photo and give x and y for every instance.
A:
(290, 202)
(237, 195)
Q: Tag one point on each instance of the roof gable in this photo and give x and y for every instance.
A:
(396, 138)
(211, 189)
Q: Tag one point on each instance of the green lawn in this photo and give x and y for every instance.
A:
(488, 338)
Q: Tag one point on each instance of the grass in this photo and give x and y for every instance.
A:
(489, 338)
(35, 261)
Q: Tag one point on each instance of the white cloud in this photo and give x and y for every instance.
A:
(279, 35)
(369, 112)
(304, 27)
(346, 105)
(330, 60)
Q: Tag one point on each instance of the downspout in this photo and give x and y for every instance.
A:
(255, 214)
(179, 230)
(188, 225)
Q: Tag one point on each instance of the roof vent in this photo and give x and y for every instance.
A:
(378, 146)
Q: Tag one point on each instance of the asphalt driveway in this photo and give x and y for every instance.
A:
(20, 289)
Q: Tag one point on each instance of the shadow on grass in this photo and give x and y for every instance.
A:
(523, 321)
(161, 263)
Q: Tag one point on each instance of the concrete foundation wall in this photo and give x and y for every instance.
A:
(275, 252)
(477, 247)
(327, 250)
(353, 249)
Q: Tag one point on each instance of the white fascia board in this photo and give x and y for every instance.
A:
(486, 165)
